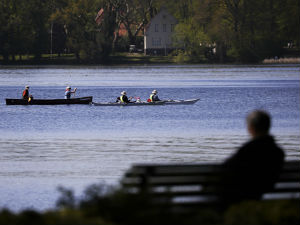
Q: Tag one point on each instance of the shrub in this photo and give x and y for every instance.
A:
(279, 212)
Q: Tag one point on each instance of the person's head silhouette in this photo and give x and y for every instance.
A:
(259, 123)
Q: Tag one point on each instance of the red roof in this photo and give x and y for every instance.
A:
(122, 29)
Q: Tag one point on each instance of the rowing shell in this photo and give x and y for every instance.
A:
(127, 104)
(181, 102)
(165, 102)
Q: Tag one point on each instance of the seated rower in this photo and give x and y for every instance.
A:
(69, 92)
(154, 97)
(25, 94)
(124, 98)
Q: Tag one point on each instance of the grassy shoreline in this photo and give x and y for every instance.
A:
(129, 59)
(282, 61)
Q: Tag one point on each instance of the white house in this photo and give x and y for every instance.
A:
(158, 34)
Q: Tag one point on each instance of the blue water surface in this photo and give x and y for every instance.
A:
(220, 109)
(43, 147)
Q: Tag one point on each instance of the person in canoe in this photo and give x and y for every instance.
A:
(69, 92)
(154, 97)
(25, 94)
(123, 98)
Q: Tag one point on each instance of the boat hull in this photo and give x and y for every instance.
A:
(83, 100)
(128, 104)
(167, 102)
(181, 102)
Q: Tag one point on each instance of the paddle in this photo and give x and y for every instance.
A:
(75, 89)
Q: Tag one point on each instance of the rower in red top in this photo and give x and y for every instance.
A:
(154, 97)
(25, 94)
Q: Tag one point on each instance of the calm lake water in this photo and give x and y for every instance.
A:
(43, 147)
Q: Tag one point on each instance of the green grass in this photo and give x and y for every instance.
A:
(45, 59)
(139, 58)
(116, 58)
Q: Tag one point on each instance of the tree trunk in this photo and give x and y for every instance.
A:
(220, 51)
(77, 56)
(116, 37)
(5, 58)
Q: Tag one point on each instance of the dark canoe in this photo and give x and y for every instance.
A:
(83, 100)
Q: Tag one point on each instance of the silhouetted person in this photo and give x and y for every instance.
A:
(25, 93)
(124, 98)
(256, 165)
(69, 92)
(154, 97)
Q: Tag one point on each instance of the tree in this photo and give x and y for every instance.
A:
(132, 15)
(38, 14)
(14, 29)
(241, 30)
(288, 20)
(190, 36)
(85, 38)
(23, 27)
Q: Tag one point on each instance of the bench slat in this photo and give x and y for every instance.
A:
(170, 181)
(192, 180)
(205, 169)
(211, 192)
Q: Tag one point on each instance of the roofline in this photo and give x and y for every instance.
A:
(148, 24)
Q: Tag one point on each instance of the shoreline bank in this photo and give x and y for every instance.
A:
(133, 59)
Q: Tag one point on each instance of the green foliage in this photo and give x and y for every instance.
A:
(181, 57)
(239, 30)
(63, 217)
(102, 205)
(115, 205)
(67, 199)
(19, 30)
(256, 29)
(85, 38)
(244, 31)
(6, 217)
(281, 212)
(190, 37)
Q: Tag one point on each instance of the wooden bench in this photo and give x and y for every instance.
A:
(182, 186)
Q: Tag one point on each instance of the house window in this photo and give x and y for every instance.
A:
(156, 27)
(172, 27)
(156, 41)
(164, 27)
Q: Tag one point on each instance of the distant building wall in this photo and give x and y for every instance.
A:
(158, 34)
